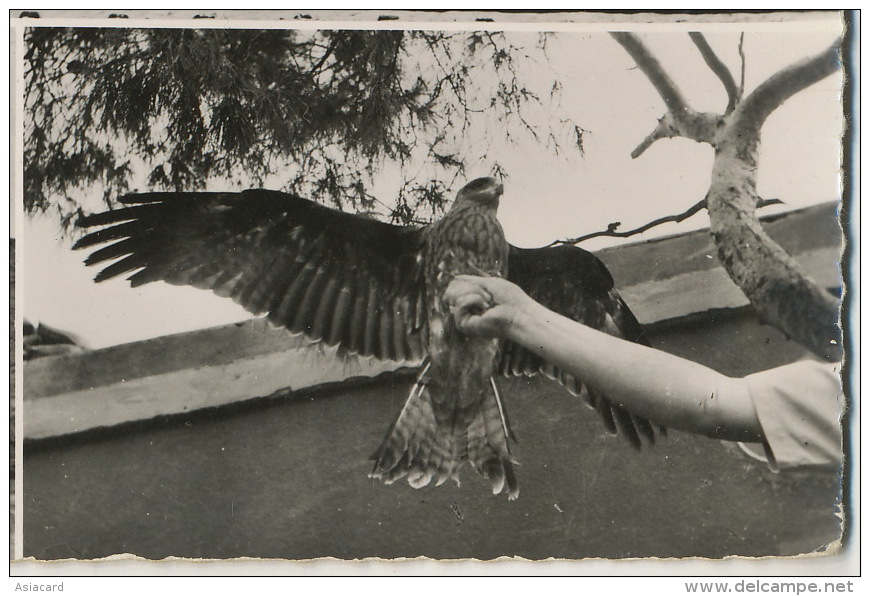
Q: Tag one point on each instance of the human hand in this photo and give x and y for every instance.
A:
(485, 306)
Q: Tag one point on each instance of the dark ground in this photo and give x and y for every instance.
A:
(287, 478)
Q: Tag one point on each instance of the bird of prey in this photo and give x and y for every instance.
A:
(376, 289)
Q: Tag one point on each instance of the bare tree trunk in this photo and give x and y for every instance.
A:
(781, 293)
(774, 283)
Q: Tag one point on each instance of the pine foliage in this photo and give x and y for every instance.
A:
(322, 109)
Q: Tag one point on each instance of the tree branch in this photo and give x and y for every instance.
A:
(773, 92)
(719, 69)
(611, 231)
(679, 119)
(781, 293)
(665, 129)
(651, 67)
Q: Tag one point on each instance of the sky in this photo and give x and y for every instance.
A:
(547, 197)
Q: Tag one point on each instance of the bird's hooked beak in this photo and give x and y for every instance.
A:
(481, 190)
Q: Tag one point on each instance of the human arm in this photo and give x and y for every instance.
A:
(652, 384)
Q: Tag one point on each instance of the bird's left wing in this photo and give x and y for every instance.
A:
(576, 284)
(344, 279)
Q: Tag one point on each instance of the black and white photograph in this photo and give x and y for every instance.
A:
(359, 287)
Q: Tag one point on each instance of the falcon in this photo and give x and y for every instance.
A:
(376, 289)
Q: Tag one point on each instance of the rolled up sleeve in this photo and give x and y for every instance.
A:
(799, 407)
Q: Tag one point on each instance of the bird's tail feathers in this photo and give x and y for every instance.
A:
(488, 449)
(424, 450)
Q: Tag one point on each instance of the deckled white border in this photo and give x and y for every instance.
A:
(311, 25)
(561, 22)
(16, 164)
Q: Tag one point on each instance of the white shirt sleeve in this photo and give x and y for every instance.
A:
(799, 407)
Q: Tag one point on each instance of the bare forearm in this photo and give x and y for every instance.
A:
(661, 387)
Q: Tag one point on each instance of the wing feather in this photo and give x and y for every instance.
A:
(125, 265)
(355, 331)
(385, 333)
(314, 270)
(372, 322)
(258, 294)
(320, 324)
(312, 293)
(576, 284)
(115, 232)
(401, 330)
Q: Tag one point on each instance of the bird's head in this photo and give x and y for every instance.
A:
(481, 191)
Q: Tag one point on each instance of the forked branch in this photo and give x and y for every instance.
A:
(719, 69)
(776, 286)
(680, 120)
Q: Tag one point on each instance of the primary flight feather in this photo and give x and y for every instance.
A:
(376, 289)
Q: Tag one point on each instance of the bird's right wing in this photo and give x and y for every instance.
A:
(344, 279)
(576, 284)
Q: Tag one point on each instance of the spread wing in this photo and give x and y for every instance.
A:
(344, 279)
(574, 283)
